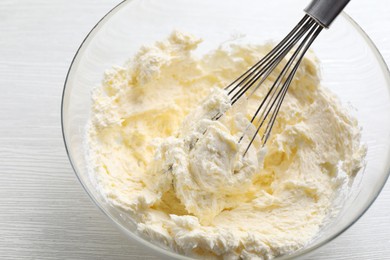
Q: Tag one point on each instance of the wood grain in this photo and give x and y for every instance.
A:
(44, 212)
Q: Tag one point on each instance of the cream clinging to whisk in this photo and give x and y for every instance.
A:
(320, 14)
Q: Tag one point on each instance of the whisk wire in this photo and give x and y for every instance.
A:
(280, 56)
(319, 14)
(272, 52)
(271, 62)
(287, 84)
(281, 76)
(270, 104)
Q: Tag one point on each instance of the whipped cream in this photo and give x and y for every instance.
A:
(206, 162)
(156, 152)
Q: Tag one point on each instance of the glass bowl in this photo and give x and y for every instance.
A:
(351, 67)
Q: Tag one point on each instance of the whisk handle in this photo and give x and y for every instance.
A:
(325, 11)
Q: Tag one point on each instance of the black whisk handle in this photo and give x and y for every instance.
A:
(325, 11)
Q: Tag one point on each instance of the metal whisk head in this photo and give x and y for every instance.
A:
(264, 118)
(320, 14)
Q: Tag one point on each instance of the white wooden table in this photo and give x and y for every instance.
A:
(44, 212)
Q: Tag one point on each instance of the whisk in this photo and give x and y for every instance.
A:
(319, 14)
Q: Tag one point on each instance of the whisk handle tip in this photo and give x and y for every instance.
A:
(325, 11)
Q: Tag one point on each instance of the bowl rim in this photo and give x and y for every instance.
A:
(301, 252)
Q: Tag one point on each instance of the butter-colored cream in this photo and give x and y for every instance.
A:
(155, 152)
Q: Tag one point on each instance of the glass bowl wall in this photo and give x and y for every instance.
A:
(351, 67)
